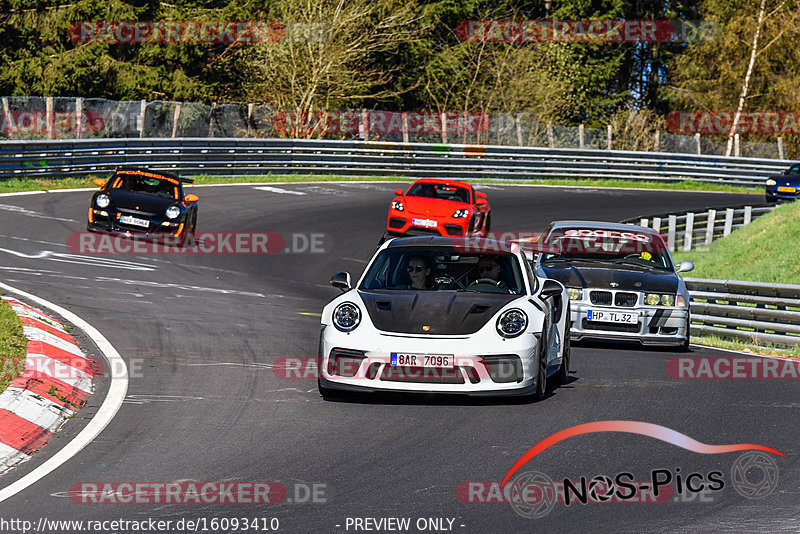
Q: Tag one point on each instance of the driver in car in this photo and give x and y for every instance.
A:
(489, 268)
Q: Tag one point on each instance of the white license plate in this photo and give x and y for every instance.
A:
(440, 361)
(135, 221)
(606, 316)
(427, 223)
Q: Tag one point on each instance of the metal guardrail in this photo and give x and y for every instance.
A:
(690, 229)
(238, 157)
(750, 311)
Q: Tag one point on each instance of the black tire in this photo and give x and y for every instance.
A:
(488, 223)
(684, 347)
(562, 376)
(771, 200)
(324, 392)
(541, 373)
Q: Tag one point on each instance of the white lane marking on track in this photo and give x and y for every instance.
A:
(31, 213)
(147, 399)
(34, 240)
(111, 404)
(319, 190)
(232, 364)
(278, 190)
(94, 261)
(183, 287)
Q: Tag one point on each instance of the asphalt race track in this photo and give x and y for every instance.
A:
(200, 334)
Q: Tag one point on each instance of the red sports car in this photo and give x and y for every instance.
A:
(439, 207)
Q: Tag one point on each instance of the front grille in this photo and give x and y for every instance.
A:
(422, 375)
(609, 327)
(420, 230)
(396, 222)
(602, 298)
(627, 300)
(454, 229)
(504, 368)
(136, 212)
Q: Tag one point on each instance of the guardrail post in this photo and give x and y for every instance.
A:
(211, 120)
(736, 145)
(518, 124)
(697, 141)
(364, 124)
(444, 129)
(643, 223)
(142, 108)
(687, 237)
(671, 223)
(49, 116)
(657, 224)
(780, 147)
(175, 117)
(581, 136)
(8, 118)
(608, 137)
(748, 214)
(79, 117)
(712, 215)
(404, 116)
(728, 222)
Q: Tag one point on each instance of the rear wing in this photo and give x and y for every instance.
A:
(154, 173)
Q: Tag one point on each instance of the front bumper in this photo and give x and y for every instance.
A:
(363, 363)
(110, 223)
(401, 223)
(656, 325)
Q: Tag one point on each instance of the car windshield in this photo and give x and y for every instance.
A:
(440, 191)
(592, 245)
(794, 169)
(444, 269)
(147, 184)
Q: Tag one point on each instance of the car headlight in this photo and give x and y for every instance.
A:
(173, 212)
(575, 293)
(463, 212)
(346, 316)
(397, 205)
(771, 182)
(102, 200)
(656, 299)
(512, 323)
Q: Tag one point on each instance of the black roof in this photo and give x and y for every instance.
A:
(470, 244)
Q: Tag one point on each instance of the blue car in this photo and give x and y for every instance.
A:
(785, 186)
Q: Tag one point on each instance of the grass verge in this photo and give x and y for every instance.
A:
(16, 185)
(766, 250)
(13, 345)
(742, 346)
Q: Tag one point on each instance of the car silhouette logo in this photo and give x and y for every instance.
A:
(425, 328)
(614, 284)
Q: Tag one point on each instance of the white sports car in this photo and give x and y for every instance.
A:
(445, 315)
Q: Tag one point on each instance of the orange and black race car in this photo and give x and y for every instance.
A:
(143, 203)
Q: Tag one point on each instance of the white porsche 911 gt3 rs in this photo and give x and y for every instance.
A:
(445, 315)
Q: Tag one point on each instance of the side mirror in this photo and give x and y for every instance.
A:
(190, 198)
(399, 192)
(685, 267)
(342, 281)
(99, 182)
(550, 288)
(480, 195)
(480, 201)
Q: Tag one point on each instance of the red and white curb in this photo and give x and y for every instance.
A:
(54, 385)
